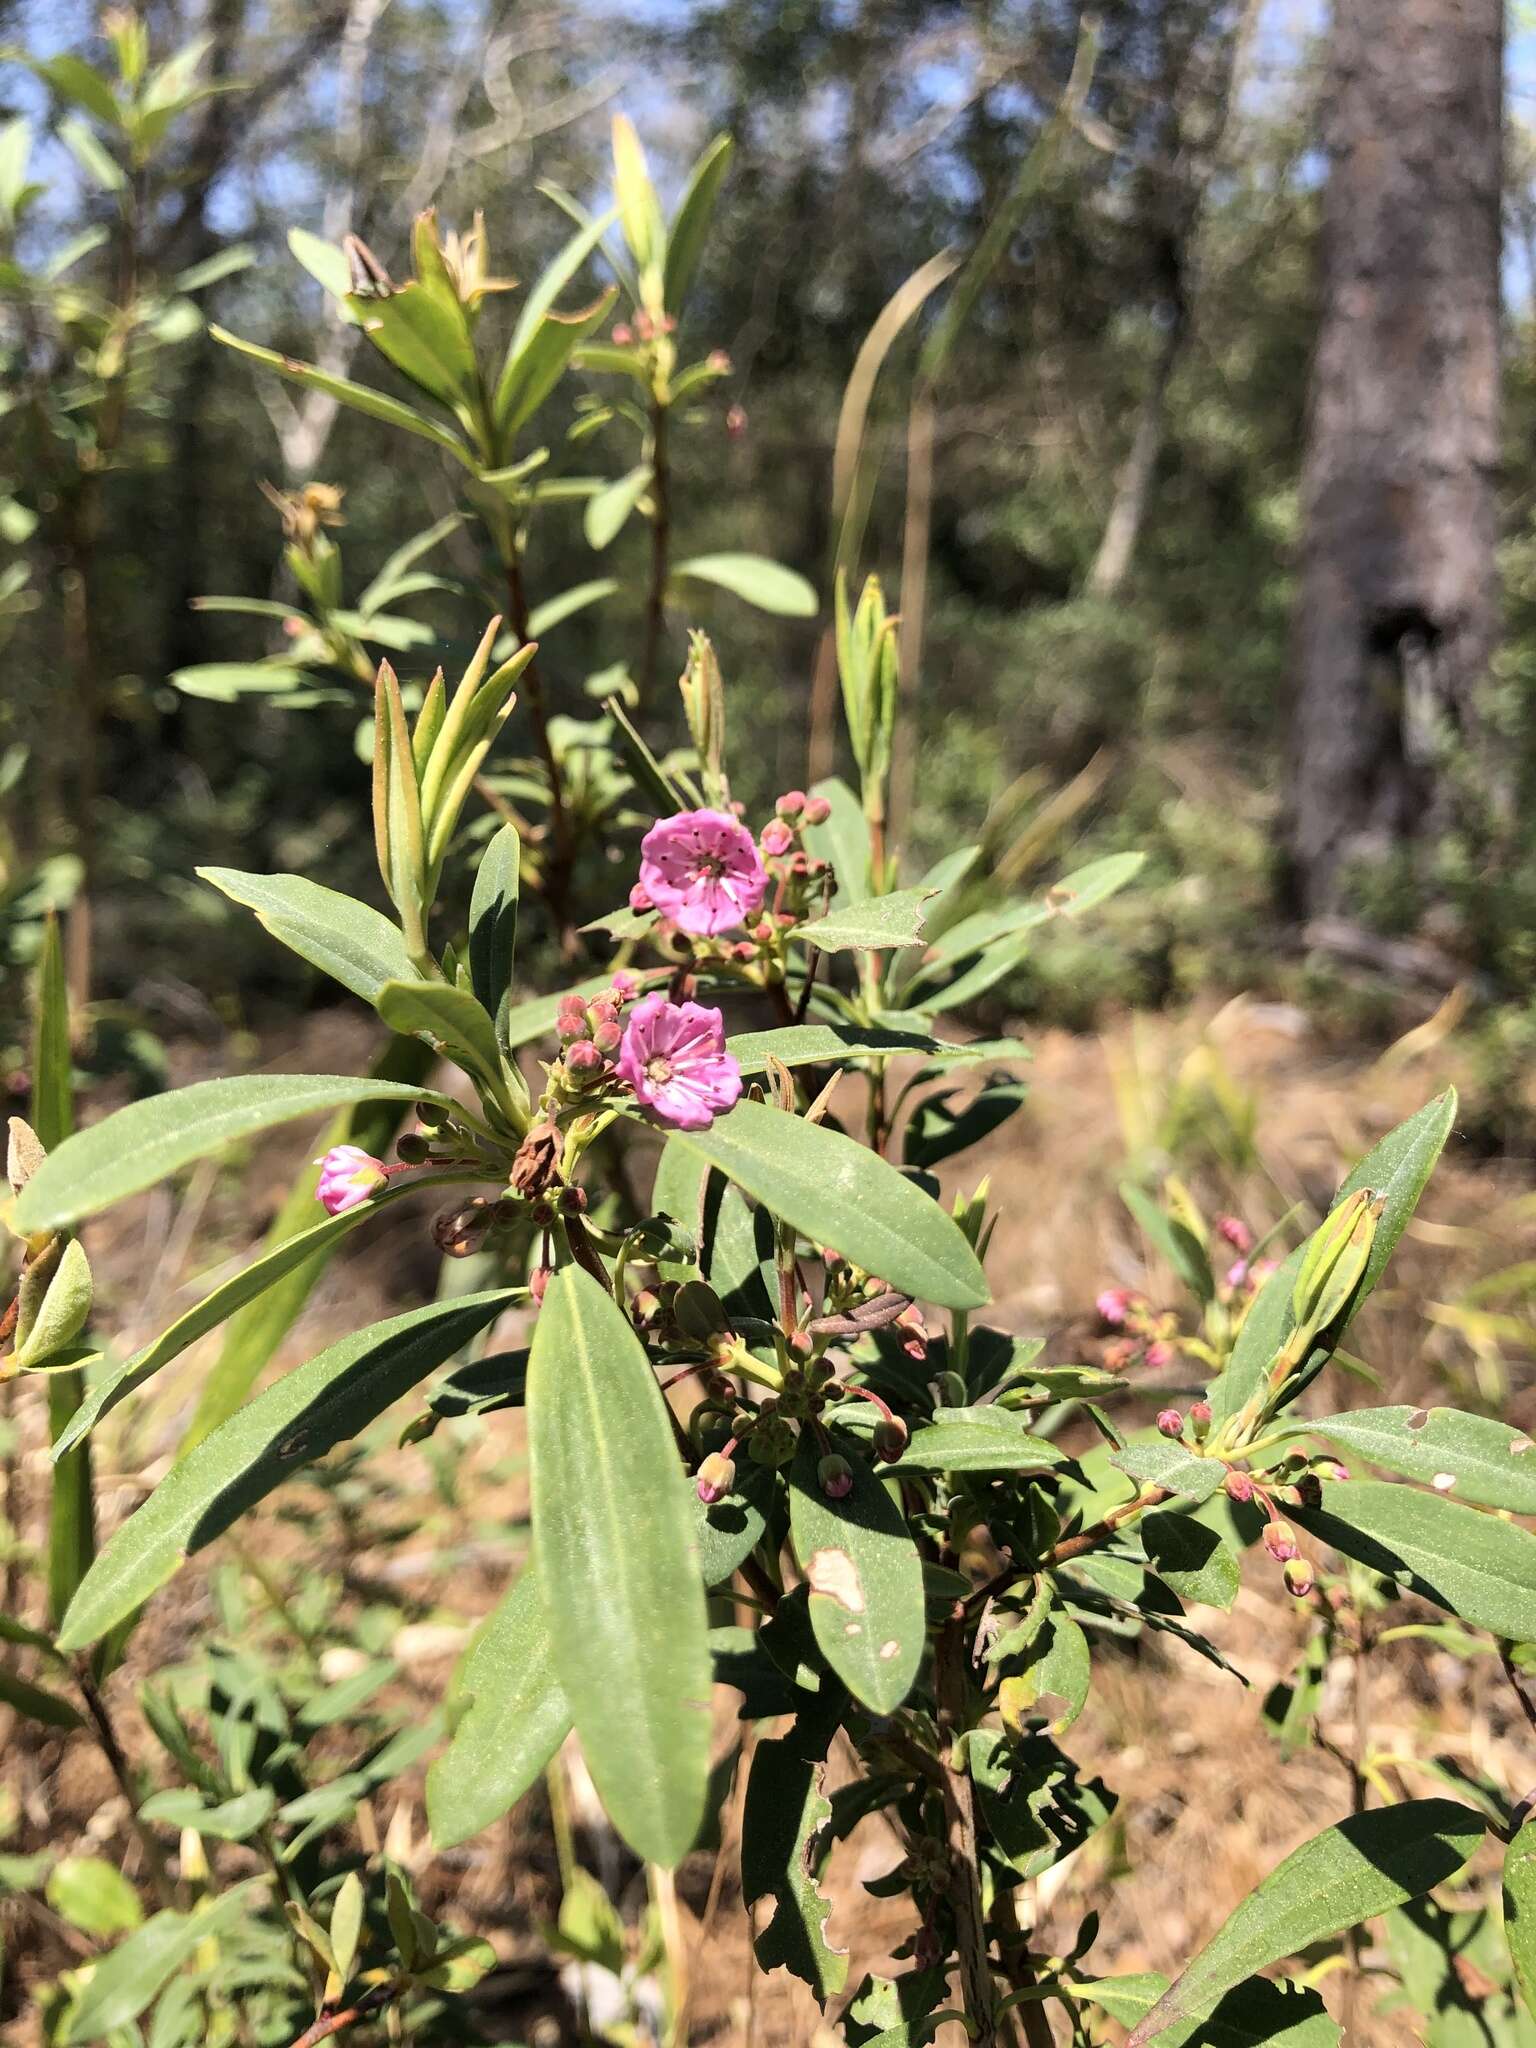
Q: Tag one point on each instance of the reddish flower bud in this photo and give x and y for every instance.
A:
(718, 361)
(716, 1477)
(1238, 1485)
(834, 1475)
(602, 1012)
(412, 1149)
(1200, 1418)
(817, 810)
(777, 838)
(1280, 1542)
(764, 931)
(583, 1057)
(625, 986)
(538, 1280)
(571, 1018)
(890, 1439)
(639, 898)
(790, 805)
(623, 333)
(608, 1037)
(1235, 1232)
(736, 422)
(1170, 1422)
(1159, 1354)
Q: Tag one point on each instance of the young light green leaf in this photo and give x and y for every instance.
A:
(327, 264)
(815, 1045)
(1520, 1911)
(877, 924)
(93, 1894)
(361, 397)
(124, 1982)
(1363, 1866)
(136, 1146)
(551, 282)
(348, 940)
(690, 223)
(346, 1928)
(613, 1546)
(568, 603)
(607, 512)
(866, 1579)
(224, 682)
(835, 1192)
(227, 1820)
(639, 212)
(768, 586)
(1178, 1245)
(513, 1716)
(294, 1422)
(493, 920)
(1155, 1461)
(1473, 1565)
(449, 1018)
(1397, 1169)
(1466, 1457)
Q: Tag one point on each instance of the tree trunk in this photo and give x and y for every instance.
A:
(1397, 611)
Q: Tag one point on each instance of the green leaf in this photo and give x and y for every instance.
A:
(92, 1894)
(1179, 1246)
(977, 1440)
(940, 1128)
(1258, 2013)
(327, 264)
(1191, 1557)
(807, 1045)
(1083, 890)
(376, 404)
(690, 223)
(782, 1832)
(450, 1018)
(1398, 1169)
(1467, 1457)
(228, 1820)
(1473, 1565)
(531, 373)
(878, 923)
(426, 337)
(297, 1420)
(1363, 1866)
(214, 1308)
(727, 1531)
(1520, 1911)
(639, 213)
(493, 921)
(223, 682)
(1156, 1461)
(769, 586)
(843, 840)
(122, 1984)
(866, 1579)
(136, 1146)
(348, 940)
(36, 1703)
(836, 1192)
(551, 282)
(613, 1545)
(607, 512)
(88, 151)
(53, 1093)
(513, 1717)
(576, 599)
(76, 81)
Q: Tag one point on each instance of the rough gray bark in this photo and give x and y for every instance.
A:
(1397, 608)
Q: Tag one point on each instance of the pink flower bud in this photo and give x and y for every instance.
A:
(718, 361)
(1200, 1416)
(790, 805)
(538, 1280)
(1238, 1485)
(817, 810)
(736, 422)
(623, 334)
(1237, 1274)
(1235, 1232)
(1280, 1542)
(1159, 1354)
(1112, 1305)
(834, 1475)
(638, 899)
(1170, 1422)
(608, 1037)
(777, 838)
(716, 1477)
(583, 1057)
(625, 986)
(349, 1176)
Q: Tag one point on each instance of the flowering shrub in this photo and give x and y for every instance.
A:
(774, 1375)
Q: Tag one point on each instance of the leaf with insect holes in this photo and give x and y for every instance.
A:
(1520, 1910)
(1350, 1872)
(866, 1581)
(783, 1821)
(877, 924)
(298, 1419)
(1466, 1457)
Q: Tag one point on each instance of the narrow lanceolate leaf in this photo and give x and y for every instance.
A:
(607, 512)
(449, 1018)
(1348, 1873)
(35, 1703)
(361, 397)
(124, 1982)
(141, 1144)
(613, 1547)
(866, 1581)
(786, 1811)
(213, 1309)
(1466, 1457)
(1520, 1911)
(814, 1045)
(690, 224)
(838, 1193)
(493, 921)
(768, 586)
(53, 1094)
(977, 1440)
(1397, 1169)
(348, 940)
(297, 1420)
(1473, 1565)
(513, 1717)
(879, 923)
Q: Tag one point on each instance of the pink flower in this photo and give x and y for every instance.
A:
(1112, 1305)
(702, 870)
(1236, 1233)
(674, 1058)
(349, 1176)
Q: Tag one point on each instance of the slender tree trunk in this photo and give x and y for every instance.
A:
(1398, 602)
(1133, 485)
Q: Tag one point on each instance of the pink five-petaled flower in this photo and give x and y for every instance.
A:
(674, 1058)
(349, 1176)
(702, 869)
